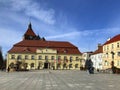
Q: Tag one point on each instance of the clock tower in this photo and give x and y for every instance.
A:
(29, 34)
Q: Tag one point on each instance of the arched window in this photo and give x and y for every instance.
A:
(19, 57)
(32, 65)
(26, 57)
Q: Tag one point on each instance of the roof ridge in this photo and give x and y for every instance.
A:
(113, 39)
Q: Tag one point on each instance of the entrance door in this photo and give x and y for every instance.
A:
(46, 65)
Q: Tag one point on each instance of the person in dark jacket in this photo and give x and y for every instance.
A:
(8, 69)
(86, 64)
(89, 66)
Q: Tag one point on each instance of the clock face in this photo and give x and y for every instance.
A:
(30, 37)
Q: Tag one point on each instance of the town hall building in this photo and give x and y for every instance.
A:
(34, 52)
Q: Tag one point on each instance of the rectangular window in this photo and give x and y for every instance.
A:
(59, 57)
(107, 47)
(106, 55)
(32, 57)
(65, 58)
(112, 46)
(118, 63)
(104, 48)
(26, 65)
(70, 66)
(76, 65)
(32, 65)
(12, 56)
(105, 63)
(118, 45)
(118, 53)
(46, 57)
(52, 58)
(84, 55)
(40, 57)
(71, 59)
(77, 59)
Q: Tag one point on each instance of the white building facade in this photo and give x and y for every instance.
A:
(97, 61)
(96, 58)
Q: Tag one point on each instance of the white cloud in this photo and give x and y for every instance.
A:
(64, 35)
(33, 9)
(85, 33)
(86, 40)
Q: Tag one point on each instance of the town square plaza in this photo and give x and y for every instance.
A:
(58, 80)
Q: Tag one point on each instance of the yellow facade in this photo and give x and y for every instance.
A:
(111, 52)
(43, 58)
(34, 52)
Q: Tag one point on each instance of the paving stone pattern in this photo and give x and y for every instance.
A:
(58, 80)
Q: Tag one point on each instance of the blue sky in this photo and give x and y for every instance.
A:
(84, 23)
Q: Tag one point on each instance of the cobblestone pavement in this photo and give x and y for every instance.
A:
(58, 80)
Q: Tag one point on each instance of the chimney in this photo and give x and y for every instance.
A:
(108, 39)
(99, 45)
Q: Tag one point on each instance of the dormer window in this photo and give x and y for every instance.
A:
(65, 51)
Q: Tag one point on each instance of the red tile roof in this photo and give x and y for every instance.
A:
(114, 39)
(30, 46)
(30, 32)
(99, 50)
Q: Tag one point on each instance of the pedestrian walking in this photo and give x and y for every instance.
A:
(113, 67)
(8, 69)
(89, 66)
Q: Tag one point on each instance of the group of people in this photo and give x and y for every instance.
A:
(89, 66)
